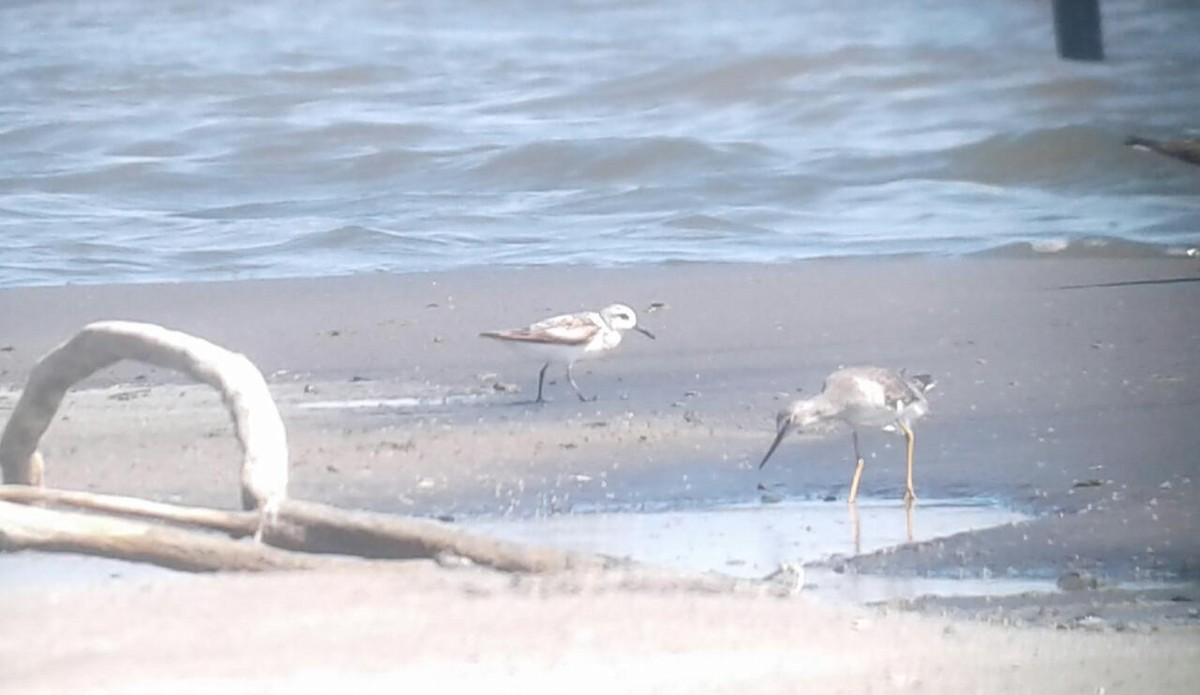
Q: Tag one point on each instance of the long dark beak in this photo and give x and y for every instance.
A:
(644, 332)
(775, 444)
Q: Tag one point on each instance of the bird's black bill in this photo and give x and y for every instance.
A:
(774, 445)
(644, 332)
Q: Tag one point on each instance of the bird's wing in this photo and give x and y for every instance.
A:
(898, 389)
(568, 329)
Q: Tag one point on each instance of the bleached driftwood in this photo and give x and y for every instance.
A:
(297, 525)
(31, 528)
(230, 522)
(320, 528)
(256, 420)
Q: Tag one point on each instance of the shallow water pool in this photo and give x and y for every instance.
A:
(752, 540)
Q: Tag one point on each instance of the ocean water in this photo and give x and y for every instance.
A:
(189, 140)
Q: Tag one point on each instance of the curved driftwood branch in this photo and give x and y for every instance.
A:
(256, 420)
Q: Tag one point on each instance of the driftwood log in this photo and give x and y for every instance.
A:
(256, 420)
(296, 526)
(30, 528)
(283, 525)
(236, 524)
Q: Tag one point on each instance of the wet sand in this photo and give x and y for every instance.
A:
(1068, 388)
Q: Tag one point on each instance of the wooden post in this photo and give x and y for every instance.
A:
(1077, 29)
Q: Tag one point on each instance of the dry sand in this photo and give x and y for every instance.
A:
(460, 631)
(1068, 388)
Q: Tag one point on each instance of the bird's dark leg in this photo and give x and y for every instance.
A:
(571, 378)
(909, 495)
(858, 468)
(541, 380)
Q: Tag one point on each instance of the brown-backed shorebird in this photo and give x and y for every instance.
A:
(566, 339)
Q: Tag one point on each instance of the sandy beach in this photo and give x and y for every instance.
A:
(1066, 388)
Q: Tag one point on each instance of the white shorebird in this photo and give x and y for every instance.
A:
(861, 397)
(570, 337)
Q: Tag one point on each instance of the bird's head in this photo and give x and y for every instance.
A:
(800, 415)
(623, 318)
(803, 416)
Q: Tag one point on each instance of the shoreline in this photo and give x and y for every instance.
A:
(1052, 249)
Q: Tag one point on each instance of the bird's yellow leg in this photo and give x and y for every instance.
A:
(858, 468)
(908, 520)
(855, 529)
(909, 495)
(854, 482)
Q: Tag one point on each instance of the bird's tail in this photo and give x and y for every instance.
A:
(922, 382)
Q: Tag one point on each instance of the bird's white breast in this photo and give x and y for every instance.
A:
(607, 339)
